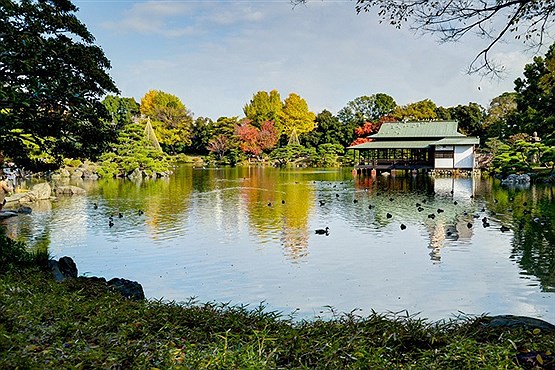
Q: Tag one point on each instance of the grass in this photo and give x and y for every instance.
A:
(81, 324)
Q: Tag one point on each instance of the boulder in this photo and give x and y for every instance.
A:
(69, 190)
(512, 321)
(21, 198)
(136, 174)
(64, 172)
(127, 288)
(77, 174)
(41, 191)
(24, 210)
(63, 269)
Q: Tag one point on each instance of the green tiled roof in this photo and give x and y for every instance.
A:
(412, 144)
(439, 129)
(470, 140)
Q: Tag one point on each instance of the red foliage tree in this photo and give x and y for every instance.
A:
(254, 140)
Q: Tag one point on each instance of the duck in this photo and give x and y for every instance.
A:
(439, 210)
(325, 231)
(140, 212)
(355, 201)
(322, 202)
(420, 209)
(455, 203)
(403, 226)
(283, 201)
(95, 206)
(369, 206)
(120, 215)
(388, 215)
(469, 225)
(391, 199)
(110, 223)
(432, 216)
(504, 228)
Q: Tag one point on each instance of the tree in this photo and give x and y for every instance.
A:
(470, 118)
(536, 97)
(329, 130)
(51, 79)
(264, 107)
(202, 131)
(121, 110)
(500, 111)
(419, 111)
(492, 20)
(219, 146)
(254, 140)
(296, 118)
(170, 118)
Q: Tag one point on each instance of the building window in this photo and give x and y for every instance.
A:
(444, 154)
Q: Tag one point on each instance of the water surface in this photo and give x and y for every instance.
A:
(246, 236)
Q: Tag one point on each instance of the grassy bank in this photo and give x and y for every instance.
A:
(82, 324)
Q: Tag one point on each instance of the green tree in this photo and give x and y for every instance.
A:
(419, 111)
(51, 79)
(264, 107)
(171, 120)
(536, 97)
(202, 131)
(133, 151)
(329, 130)
(499, 113)
(121, 110)
(470, 118)
(296, 118)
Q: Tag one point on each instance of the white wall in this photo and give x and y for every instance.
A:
(443, 162)
(464, 156)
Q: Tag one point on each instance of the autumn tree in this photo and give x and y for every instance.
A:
(295, 116)
(255, 140)
(491, 20)
(218, 145)
(264, 107)
(170, 118)
(52, 77)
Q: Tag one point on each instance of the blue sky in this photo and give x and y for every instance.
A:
(215, 55)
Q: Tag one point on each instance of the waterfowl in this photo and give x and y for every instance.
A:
(110, 223)
(140, 212)
(269, 204)
(485, 219)
(322, 203)
(336, 195)
(485, 224)
(403, 226)
(322, 231)
(120, 215)
(420, 209)
(283, 201)
(355, 201)
(391, 199)
(418, 204)
(469, 225)
(388, 215)
(95, 206)
(504, 228)
(439, 210)
(369, 206)
(455, 203)
(432, 216)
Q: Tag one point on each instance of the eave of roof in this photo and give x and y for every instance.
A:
(468, 140)
(409, 144)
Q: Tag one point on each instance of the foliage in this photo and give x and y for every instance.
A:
(470, 118)
(51, 78)
(536, 97)
(14, 254)
(133, 151)
(202, 131)
(452, 20)
(255, 141)
(170, 118)
(500, 111)
(519, 156)
(264, 107)
(219, 145)
(295, 116)
(329, 130)
(368, 108)
(122, 110)
(328, 154)
(80, 323)
(420, 111)
(287, 154)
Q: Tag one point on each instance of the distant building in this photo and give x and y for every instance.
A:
(416, 146)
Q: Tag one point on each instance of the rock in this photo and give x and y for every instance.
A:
(77, 174)
(69, 190)
(24, 210)
(63, 269)
(21, 198)
(136, 174)
(41, 191)
(64, 173)
(512, 321)
(127, 288)
(514, 179)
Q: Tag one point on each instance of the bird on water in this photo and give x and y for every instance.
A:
(325, 231)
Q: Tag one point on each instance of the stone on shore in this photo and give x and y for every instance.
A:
(127, 288)
(63, 269)
(69, 190)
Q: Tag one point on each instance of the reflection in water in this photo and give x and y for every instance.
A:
(246, 235)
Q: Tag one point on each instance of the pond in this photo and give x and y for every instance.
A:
(247, 235)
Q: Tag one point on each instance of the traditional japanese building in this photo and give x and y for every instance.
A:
(416, 146)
